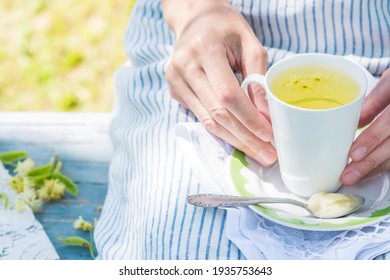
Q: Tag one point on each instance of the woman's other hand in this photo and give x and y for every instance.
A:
(370, 153)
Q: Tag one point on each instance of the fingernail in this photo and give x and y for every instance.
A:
(352, 177)
(266, 157)
(264, 135)
(359, 153)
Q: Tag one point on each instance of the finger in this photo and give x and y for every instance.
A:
(257, 95)
(178, 98)
(176, 86)
(230, 95)
(377, 100)
(371, 137)
(383, 167)
(357, 170)
(254, 59)
(262, 153)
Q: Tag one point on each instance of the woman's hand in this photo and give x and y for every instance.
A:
(370, 153)
(213, 40)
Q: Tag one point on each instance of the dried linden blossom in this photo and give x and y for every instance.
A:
(24, 167)
(37, 185)
(20, 184)
(52, 189)
(83, 225)
(31, 198)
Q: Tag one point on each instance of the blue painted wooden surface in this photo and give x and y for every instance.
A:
(57, 217)
(81, 140)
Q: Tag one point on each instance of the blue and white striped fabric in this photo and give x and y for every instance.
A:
(145, 215)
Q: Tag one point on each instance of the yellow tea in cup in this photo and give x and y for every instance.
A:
(314, 87)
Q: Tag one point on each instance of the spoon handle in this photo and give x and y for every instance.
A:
(216, 200)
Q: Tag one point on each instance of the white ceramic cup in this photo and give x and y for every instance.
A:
(312, 145)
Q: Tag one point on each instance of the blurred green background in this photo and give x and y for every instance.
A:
(60, 55)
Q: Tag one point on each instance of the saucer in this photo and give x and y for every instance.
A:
(248, 178)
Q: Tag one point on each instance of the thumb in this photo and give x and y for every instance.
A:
(254, 59)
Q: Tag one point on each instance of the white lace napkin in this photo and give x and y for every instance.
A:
(260, 238)
(22, 237)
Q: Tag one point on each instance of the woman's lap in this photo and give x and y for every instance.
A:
(145, 215)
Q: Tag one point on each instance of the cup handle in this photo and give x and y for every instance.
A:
(253, 79)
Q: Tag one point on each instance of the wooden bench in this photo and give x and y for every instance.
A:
(82, 142)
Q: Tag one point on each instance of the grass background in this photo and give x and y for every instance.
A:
(60, 55)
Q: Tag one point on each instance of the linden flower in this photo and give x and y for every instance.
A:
(81, 224)
(19, 184)
(29, 196)
(42, 194)
(22, 168)
(52, 189)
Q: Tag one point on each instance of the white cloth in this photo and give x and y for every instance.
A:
(22, 237)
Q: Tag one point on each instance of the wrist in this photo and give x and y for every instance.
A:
(179, 13)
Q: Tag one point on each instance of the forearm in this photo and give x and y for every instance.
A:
(179, 13)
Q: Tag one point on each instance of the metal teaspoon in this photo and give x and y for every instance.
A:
(216, 200)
